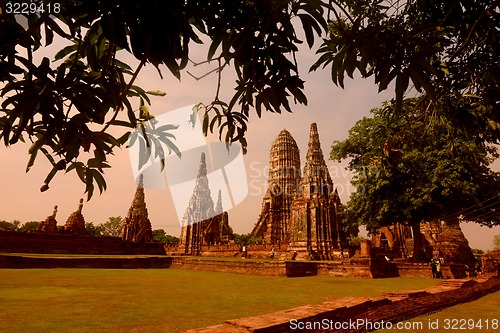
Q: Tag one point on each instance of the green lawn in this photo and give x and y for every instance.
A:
(161, 300)
(482, 315)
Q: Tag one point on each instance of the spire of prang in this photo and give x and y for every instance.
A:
(201, 204)
(218, 206)
(316, 177)
(202, 170)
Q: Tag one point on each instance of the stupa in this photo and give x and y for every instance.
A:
(49, 226)
(136, 226)
(201, 223)
(75, 223)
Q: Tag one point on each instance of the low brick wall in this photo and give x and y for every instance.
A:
(356, 314)
(15, 261)
(242, 266)
(252, 251)
(361, 268)
(225, 266)
(17, 242)
(423, 270)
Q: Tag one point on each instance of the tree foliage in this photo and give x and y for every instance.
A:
(10, 226)
(446, 50)
(160, 236)
(400, 179)
(496, 242)
(28, 226)
(112, 227)
(96, 230)
(66, 106)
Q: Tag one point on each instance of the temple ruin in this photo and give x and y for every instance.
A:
(75, 223)
(440, 240)
(284, 178)
(201, 223)
(300, 211)
(49, 225)
(316, 227)
(136, 225)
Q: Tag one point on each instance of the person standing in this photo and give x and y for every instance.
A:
(433, 265)
(439, 273)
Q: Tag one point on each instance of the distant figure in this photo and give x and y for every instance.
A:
(467, 273)
(433, 265)
(55, 212)
(479, 269)
(271, 256)
(439, 273)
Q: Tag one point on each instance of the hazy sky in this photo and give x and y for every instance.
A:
(333, 109)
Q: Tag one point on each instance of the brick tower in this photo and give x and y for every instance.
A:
(284, 177)
(136, 226)
(75, 223)
(315, 228)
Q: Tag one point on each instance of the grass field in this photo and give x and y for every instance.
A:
(161, 300)
(482, 315)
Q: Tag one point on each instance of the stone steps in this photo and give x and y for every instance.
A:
(453, 283)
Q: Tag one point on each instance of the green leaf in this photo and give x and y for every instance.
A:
(65, 51)
(156, 93)
(101, 183)
(493, 124)
(31, 160)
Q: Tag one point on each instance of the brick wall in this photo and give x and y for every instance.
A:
(17, 242)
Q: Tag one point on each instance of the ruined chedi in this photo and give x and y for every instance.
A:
(75, 223)
(201, 223)
(301, 211)
(136, 226)
(49, 226)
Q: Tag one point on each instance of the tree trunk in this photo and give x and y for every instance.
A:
(418, 247)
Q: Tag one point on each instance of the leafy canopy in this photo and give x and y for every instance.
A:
(407, 171)
(66, 106)
(447, 50)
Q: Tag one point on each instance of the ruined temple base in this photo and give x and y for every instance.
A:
(389, 307)
(20, 242)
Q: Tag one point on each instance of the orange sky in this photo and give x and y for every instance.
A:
(333, 109)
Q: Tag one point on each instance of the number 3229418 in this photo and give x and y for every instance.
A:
(470, 324)
(32, 7)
